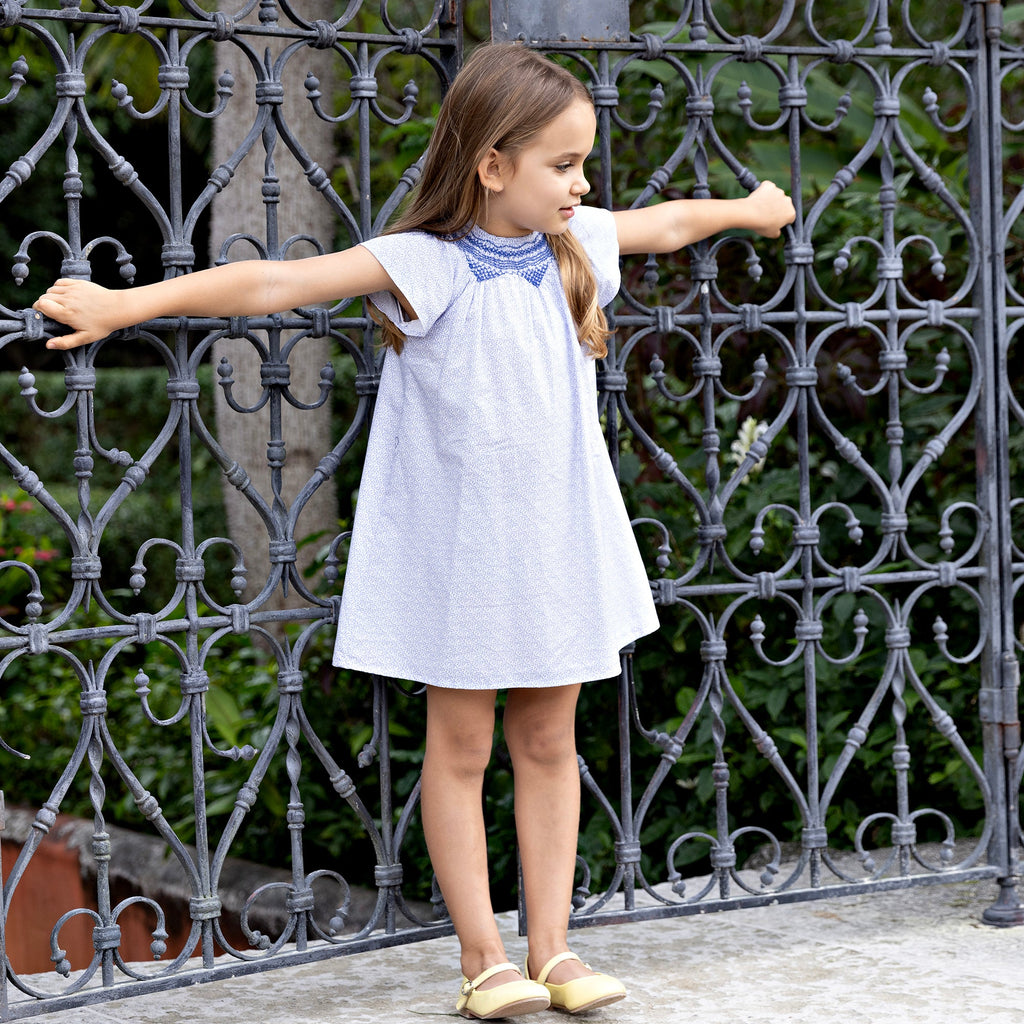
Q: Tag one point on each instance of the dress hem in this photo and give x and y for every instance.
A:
(597, 675)
(454, 685)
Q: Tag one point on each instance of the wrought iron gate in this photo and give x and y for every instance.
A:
(836, 586)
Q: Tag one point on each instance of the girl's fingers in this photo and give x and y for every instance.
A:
(53, 305)
(777, 206)
(78, 304)
(66, 341)
(54, 292)
(50, 307)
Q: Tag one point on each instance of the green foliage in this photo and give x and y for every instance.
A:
(130, 409)
(22, 543)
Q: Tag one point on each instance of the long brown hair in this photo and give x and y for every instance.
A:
(503, 97)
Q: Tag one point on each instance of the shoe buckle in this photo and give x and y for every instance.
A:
(467, 987)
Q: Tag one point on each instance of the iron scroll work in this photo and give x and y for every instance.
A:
(856, 353)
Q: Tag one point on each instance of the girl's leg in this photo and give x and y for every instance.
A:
(460, 736)
(541, 738)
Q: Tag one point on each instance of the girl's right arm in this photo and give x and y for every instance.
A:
(668, 226)
(248, 288)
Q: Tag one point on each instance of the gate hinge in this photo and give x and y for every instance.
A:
(993, 19)
(998, 704)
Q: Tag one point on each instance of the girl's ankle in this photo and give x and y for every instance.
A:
(566, 970)
(536, 962)
(475, 962)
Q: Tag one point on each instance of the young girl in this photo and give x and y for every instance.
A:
(491, 548)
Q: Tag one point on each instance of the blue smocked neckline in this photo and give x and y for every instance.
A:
(490, 256)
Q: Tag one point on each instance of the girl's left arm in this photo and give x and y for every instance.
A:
(246, 288)
(669, 226)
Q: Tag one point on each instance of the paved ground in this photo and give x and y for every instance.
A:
(916, 956)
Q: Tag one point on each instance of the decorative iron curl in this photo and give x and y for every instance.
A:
(432, 23)
(843, 104)
(33, 599)
(723, 862)
(663, 559)
(203, 15)
(858, 37)
(904, 839)
(128, 18)
(75, 264)
(792, 96)
(300, 903)
(61, 964)
(752, 46)
(332, 561)
(947, 573)
(757, 634)
(940, 49)
(860, 633)
(606, 94)
(27, 382)
(172, 78)
(158, 947)
(19, 71)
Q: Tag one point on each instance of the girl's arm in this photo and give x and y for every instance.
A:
(669, 226)
(249, 288)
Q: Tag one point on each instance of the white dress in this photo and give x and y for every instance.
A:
(491, 547)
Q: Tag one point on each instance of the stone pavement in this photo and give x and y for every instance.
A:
(919, 956)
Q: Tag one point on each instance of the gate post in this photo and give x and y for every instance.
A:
(3, 915)
(1000, 682)
(564, 20)
(449, 28)
(1007, 910)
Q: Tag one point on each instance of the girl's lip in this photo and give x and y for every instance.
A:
(569, 211)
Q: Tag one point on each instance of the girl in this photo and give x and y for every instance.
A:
(491, 548)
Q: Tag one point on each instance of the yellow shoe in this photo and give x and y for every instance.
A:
(508, 1000)
(580, 994)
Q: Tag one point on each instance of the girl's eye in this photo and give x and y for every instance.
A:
(563, 167)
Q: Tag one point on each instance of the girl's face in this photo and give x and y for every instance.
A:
(540, 188)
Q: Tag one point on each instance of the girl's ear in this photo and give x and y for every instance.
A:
(491, 170)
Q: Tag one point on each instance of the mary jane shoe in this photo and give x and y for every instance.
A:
(507, 1000)
(579, 994)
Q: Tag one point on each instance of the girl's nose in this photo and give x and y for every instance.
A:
(581, 186)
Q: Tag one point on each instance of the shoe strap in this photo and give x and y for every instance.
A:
(468, 986)
(553, 963)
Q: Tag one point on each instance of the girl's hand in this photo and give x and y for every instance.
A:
(769, 210)
(93, 311)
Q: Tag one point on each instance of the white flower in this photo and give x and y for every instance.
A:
(750, 431)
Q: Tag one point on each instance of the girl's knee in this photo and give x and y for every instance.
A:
(540, 742)
(458, 755)
(460, 731)
(540, 725)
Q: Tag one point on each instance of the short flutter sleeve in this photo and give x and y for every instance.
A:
(595, 228)
(425, 269)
